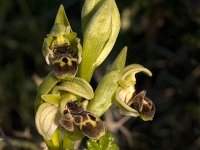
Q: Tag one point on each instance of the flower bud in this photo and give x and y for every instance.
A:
(101, 25)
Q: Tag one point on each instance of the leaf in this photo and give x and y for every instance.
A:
(107, 142)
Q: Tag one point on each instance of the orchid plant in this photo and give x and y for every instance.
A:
(66, 107)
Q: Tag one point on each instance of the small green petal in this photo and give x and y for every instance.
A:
(45, 87)
(133, 69)
(51, 98)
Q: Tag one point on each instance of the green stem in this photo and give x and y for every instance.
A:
(68, 143)
(45, 87)
(86, 69)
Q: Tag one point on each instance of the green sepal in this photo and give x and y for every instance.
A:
(77, 86)
(61, 17)
(125, 109)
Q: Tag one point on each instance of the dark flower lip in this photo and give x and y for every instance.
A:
(64, 61)
(143, 105)
(65, 68)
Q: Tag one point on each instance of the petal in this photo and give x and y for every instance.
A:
(47, 120)
(124, 108)
(51, 98)
(129, 72)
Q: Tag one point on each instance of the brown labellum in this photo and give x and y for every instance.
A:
(90, 125)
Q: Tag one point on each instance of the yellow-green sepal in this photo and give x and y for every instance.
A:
(77, 86)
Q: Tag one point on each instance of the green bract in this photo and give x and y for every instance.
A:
(100, 26)
(108, 85)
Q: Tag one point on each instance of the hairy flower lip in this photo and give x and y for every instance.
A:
(142, 106)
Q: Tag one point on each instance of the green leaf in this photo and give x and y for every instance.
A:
(107, 142)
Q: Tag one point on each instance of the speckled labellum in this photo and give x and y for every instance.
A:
(64, 61)
(75, 116)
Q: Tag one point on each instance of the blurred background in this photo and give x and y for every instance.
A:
(163, 36)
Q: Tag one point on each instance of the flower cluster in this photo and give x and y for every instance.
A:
(66, 106)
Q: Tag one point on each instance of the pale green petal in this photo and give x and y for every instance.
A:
(128, 77)
(46, 120)
(124, 108)
(133, 69)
